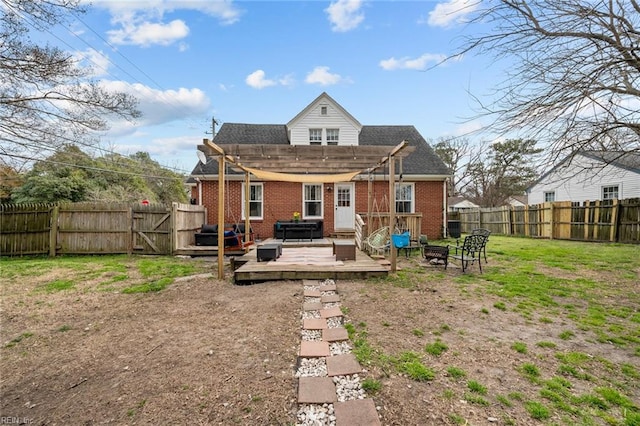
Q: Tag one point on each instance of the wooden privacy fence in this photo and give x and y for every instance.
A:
(97, 228)
(613, 221)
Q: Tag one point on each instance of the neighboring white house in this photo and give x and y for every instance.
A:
(590, 175)
(460, 203)
(517, 201)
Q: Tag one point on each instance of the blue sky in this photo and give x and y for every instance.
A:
(263, 62)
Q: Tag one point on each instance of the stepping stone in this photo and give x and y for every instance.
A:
(306, 283)
(314, 324)
(314, 349)
(328, 287)
(331, 312)
(316, 390)
(309, 292)
(335, 334)
(312, 306)
(358, 412)
(343, 365)
(329, 298)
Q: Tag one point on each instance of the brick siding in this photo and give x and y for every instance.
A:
(281, 199)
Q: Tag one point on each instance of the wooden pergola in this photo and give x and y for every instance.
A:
(304, 163)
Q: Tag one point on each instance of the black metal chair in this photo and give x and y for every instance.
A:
(469, 251)
(484, 233)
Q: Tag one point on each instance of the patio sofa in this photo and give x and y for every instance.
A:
(316, 232)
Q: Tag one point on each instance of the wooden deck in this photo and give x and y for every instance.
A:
(248, 270)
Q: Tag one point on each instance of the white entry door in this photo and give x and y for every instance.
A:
(344, 201)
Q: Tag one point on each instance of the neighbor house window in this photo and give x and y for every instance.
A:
(312, 194)
(255, 201)
(610, 192)
(315, 136)
(549, 196)
(404, 197)
(323, 110)
(333, 136)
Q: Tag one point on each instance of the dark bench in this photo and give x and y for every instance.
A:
(233, 235)
(304, 229)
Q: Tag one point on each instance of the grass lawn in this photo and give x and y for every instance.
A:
(548, 334)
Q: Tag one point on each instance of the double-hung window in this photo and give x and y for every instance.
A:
(312, 199)
(610, 192)
(549, 196)
(315, 136)
(333, 136)
(256, 199)
(404, 198)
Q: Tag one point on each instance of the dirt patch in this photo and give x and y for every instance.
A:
(209, 352)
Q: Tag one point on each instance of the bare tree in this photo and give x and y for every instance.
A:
(457, 154)
(46, 98)
(575, 84)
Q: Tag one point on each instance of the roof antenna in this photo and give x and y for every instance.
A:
(213, 127)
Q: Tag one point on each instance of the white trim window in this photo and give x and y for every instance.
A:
(315, 136)
(256, 201)
(312, 201)
(333, 136)
(404, 197)
(610, 192)
(549, 196)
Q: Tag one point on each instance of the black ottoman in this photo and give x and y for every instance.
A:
(268, 252)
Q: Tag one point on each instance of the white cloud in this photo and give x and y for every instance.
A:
(158, 146)
(467, 128)
(97, 61)
(157, 106)
(345, 15)
(257, 80)
(406, 63)
(322, 76)
(224, 10)
(452, 11)
(147, 34)
(142, 22)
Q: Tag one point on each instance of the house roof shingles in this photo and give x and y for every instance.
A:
(423, 161)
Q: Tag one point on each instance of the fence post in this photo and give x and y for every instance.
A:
(526, 220)
(596, 221)
(130, 221)
(585, 204)
(174, 228)
(551, 221)
(53, 230)
(614, 221)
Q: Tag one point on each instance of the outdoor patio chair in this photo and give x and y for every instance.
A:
(485, 233)
(469, 251)
(378, 241)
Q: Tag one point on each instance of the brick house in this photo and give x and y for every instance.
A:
(420, 176)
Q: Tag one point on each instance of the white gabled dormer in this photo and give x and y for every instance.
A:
(324, 122)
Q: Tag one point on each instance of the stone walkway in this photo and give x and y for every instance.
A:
(329, 388)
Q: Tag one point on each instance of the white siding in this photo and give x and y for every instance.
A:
(573, 183)
(299, 131)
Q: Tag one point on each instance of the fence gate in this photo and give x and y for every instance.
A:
(151, 229)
